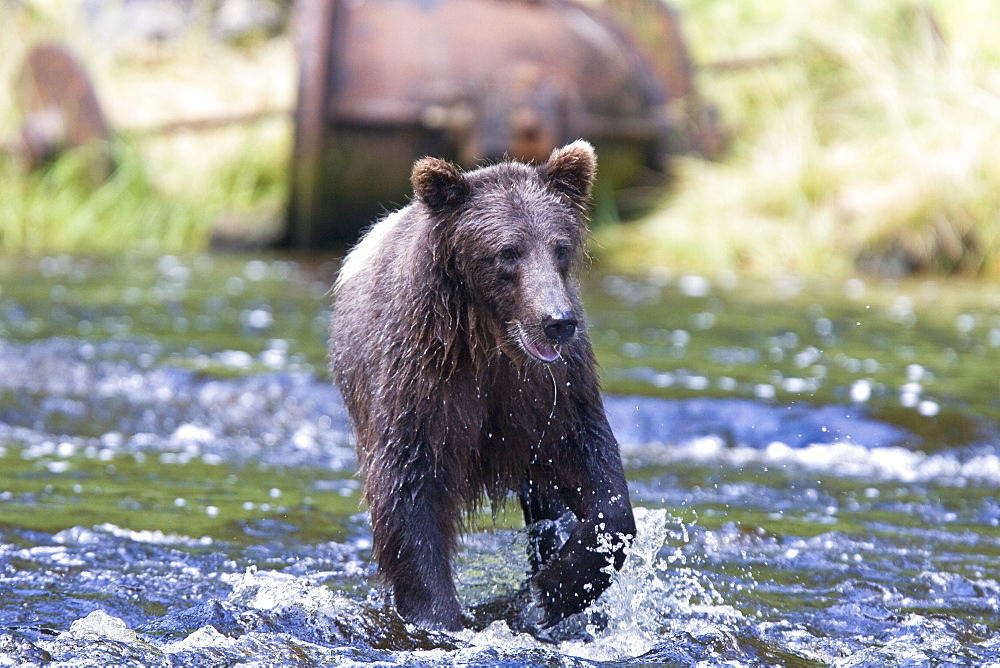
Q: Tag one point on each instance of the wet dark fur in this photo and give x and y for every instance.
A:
(447, 406)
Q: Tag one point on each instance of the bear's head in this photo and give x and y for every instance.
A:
(509, 238)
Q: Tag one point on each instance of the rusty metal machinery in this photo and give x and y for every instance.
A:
(60, 109)
(383, 82)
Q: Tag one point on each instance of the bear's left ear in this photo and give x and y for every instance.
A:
(438, 184)
(570, 171)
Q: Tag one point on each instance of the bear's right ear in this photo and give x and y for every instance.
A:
(438, 184)
(570, 170)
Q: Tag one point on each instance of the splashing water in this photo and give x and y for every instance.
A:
(655, 587)
(651, 587)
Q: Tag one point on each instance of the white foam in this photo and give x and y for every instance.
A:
(81, 535)
(100, 624)
(839, 459)
(205, 637)
(272, 590)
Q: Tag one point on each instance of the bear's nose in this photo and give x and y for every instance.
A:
(559, 327)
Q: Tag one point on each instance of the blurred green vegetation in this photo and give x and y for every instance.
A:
(863, 136)
(59, 209)
(172, 188)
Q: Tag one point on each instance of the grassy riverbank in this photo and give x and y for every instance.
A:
(867, 136)
(863, 136)
(173, 187)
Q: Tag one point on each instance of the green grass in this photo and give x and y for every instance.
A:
(869, 139)
(170, 191)
(59, 209)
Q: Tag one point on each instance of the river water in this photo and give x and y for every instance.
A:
(814, 466)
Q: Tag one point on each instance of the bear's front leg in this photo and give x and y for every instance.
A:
(414, 535)
(583, 571)
(597, 493)
(546, 519)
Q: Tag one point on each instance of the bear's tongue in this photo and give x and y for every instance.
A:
(543, 351)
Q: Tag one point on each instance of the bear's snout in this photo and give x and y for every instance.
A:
(560, 327)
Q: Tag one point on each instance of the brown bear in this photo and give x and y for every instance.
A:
(459, 346)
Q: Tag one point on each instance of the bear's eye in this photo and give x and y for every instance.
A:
(508, 255)
(562, 252)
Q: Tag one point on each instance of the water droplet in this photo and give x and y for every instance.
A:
(255, 270)
(964, 323)
(764, 391)
(928, 408)
(694, 286)
(823, 326)
(861, 391)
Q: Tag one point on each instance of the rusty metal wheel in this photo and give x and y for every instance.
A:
(60, 110)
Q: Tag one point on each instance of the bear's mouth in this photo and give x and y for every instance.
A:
(541, 350)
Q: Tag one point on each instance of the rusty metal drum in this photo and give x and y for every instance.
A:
(384, 82)
(60, 111)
